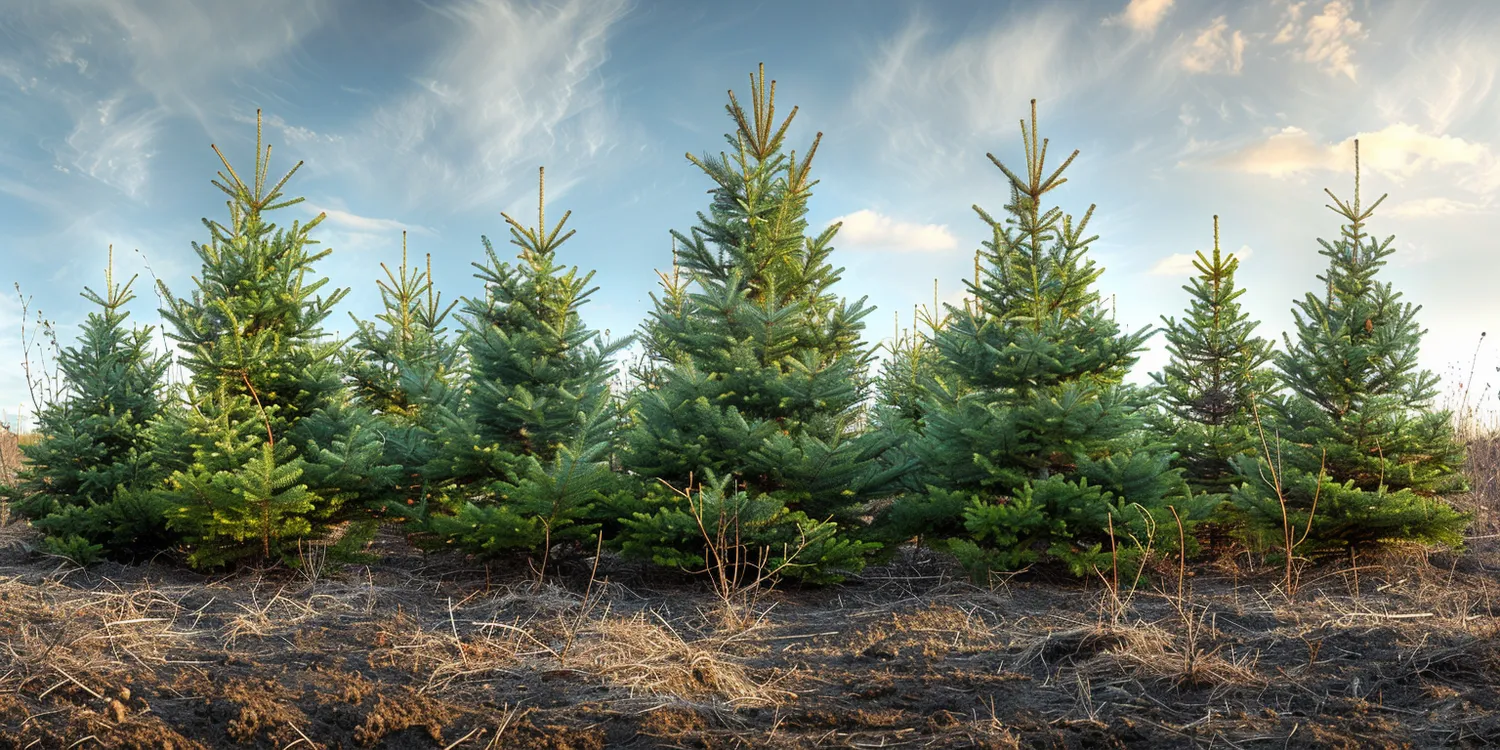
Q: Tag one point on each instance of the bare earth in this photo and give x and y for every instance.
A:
(431, 651)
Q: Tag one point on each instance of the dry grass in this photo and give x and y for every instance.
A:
(10, 463)
(646, 655)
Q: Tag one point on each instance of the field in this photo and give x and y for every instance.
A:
(428, 651)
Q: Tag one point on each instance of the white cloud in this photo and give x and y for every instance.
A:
(63, 51)
(1187, 115)
(1290, 151)
(510, 81)
(865, 228)
(12, 71)
(927, 94)
(113, 147)
(1143, 15)
(1430, 207)
(1447, 82)
(1326, 39)
(1212, 50)
(1290, 18)
(1181, 264)
(119, 69)
(181, 51)
(1401, 150)
(292, 133)
(364, 224)
(1397, 151)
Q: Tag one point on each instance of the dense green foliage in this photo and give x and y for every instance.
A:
(756, 376)
(1031, 445)
(1209, 389)
(273, 454)
(87, 483)
(406, 372)
(524, 459)
(1360, 456)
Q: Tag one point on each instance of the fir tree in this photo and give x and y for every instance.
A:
(1357, 456)
(1216, 372)
(407, 372)
(87, 484)
(273, 453)
(526, 455)
(1031, 443)
(757, 377)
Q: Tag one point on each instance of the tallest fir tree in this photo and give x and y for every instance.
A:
(757, 375)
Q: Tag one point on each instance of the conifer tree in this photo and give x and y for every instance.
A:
(911, 361)
(751, 411)
(407, 371)
(1358, 458)
(1031, 443)
(526, 456)
(900, 400)
(273, 453)
(87, 484)
(1216, 370)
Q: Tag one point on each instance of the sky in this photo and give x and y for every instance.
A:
(433, 117)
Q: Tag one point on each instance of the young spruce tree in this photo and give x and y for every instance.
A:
(406, 372)
(1031, 443)
(1215, 376)
(526, 457)
(88, 483)
(751, 414)
(272, 453)
(1360, 458)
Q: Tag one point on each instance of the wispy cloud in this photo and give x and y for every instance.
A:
(180, 51)
(1181, 264)
(1143, 15)
(1446, 83)
(1326, 39)
(868, 229)
(367, 224)
(926, 94)
(1213, 50)
(118, 70)
(114, 148)
(510, 81)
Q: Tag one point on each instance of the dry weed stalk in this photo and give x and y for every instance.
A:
(740, 573)
(1292, 574)
(1113, 604)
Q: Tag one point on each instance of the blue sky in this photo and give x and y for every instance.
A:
(432, 117)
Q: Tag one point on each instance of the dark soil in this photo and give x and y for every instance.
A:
(434, 652)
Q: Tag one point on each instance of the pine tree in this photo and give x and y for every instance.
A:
(87, 484)
(756, 379)
(1359, 457)
(407, 372)
(910, 363)
(1216, 372)
(526, 456)
(1031, 443)
(273, 454)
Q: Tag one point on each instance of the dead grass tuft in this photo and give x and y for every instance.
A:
(653, 657)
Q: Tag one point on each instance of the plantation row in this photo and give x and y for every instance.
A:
(754, 436)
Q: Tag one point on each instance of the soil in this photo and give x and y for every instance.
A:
(433, 651)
